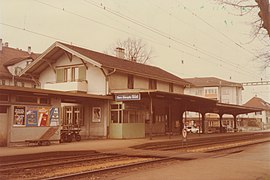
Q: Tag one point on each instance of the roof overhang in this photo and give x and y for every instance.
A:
(50, 56)
(222, 108)
(52, 93)
(195, 103)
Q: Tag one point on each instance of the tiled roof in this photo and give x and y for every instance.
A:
(211, 82)
(128, 66)
(10, 56)
(258, 103)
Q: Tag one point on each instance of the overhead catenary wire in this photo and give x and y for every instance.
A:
(165, 35)
(95, 21)
(217, 30)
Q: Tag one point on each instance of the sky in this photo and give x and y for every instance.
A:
(189, 38)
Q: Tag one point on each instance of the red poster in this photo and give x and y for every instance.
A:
(43, 117)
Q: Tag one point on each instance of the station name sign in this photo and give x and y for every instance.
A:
(128, 97)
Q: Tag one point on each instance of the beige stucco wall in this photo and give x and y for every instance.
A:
(118, 81)
(162, 86)
(96, 80)
(92, 129)
(141, 83)
(178, 89)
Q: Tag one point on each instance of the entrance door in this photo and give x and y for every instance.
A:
(3, 125)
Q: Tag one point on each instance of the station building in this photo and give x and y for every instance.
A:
(104, 96)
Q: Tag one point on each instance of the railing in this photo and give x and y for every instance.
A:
(67, 86)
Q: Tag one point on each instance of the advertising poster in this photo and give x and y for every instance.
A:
(54, 117)
(43, 116)
(19, 115)
(32, 116)
(96, 114)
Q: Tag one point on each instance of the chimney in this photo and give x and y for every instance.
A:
(6, 44)
(29, 49)
(120, 52)
(1, 45)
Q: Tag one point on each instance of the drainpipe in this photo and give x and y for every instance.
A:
(107, 80)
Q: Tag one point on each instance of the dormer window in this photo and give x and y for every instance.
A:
(28, 62)
(18, 70)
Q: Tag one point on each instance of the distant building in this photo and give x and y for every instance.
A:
(12, 62)
(257, 119)
(217, 89)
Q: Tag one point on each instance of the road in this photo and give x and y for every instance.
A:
(251, 164)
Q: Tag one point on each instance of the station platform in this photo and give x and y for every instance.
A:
(120, 146)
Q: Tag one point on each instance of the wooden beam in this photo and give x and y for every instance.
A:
(69, 55)
(84, 63)
(51, 66)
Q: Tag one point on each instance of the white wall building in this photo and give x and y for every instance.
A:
(217, 89)
(260, 119)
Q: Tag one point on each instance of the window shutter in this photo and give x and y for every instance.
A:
(60, 75)
(82, 73)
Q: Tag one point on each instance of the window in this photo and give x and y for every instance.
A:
(32, 99)
(28, 62)
(152, 84)
(26, 99)
(225, 92)
(73, 116)
(210, 91)
(171, 87)
(67, 74)
(4, 97)
(116, 113)
(130, 81)
(258, 113)
(75, 74)
(18, 70)
(2, 82)
(3, 109)
(44, 100)
(199, 92)
(18, 83)
(71, 74)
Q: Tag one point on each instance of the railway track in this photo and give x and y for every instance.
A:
(9, 167)
(105, 170)
(66, 165)
(77, 166)
(206, 142)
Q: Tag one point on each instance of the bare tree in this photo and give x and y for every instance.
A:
(262, 10)
(135, 50)
(259, 7)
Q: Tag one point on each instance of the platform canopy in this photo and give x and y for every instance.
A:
(200, 104)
